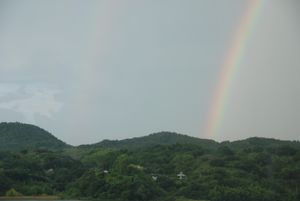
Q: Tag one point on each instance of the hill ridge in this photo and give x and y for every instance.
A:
(18, 136)
(158, 138)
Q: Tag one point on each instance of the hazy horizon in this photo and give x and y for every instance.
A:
(88, 71)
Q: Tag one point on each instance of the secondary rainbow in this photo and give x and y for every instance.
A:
(230, 67)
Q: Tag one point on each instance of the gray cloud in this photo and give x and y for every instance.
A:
(29, 100)
(89, 70)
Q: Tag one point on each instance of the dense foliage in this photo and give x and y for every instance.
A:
(256, 169)
(250, 174)
(18, 136)
(161, 138)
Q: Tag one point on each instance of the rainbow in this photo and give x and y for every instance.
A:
(230, 67)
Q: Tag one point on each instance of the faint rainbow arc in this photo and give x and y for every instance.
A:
(230, 67)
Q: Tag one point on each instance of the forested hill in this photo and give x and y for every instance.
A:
(171, 138)
(260, 142)
(166, 167)
(19, 136)
(161, 138)
(180, 172)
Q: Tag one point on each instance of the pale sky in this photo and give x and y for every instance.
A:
(93, 70)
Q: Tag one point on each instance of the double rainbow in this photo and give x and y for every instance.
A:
(230, 67)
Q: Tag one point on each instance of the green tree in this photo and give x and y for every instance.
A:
(12, 193)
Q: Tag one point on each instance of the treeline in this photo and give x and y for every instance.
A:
(247, 173)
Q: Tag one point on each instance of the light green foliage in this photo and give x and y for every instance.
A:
(12, 193)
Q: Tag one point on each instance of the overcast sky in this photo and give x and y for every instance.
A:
(93, 70)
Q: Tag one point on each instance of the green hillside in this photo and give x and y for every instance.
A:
(161, 138)
(223, 174)
(19, 136)
(259, 142)
(162, 167)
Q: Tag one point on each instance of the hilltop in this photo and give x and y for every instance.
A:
(18, 136)
(161, 138)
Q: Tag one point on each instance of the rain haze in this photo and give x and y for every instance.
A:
(93, 70)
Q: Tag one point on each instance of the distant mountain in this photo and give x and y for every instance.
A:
(19, 136)
(170, 138)
(260, 142)
(161, 138)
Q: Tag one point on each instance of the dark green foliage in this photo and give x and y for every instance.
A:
(162, 138)
(37, 172)
(220, 174)
(262, 143)
(144, 169)
(18, 136)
